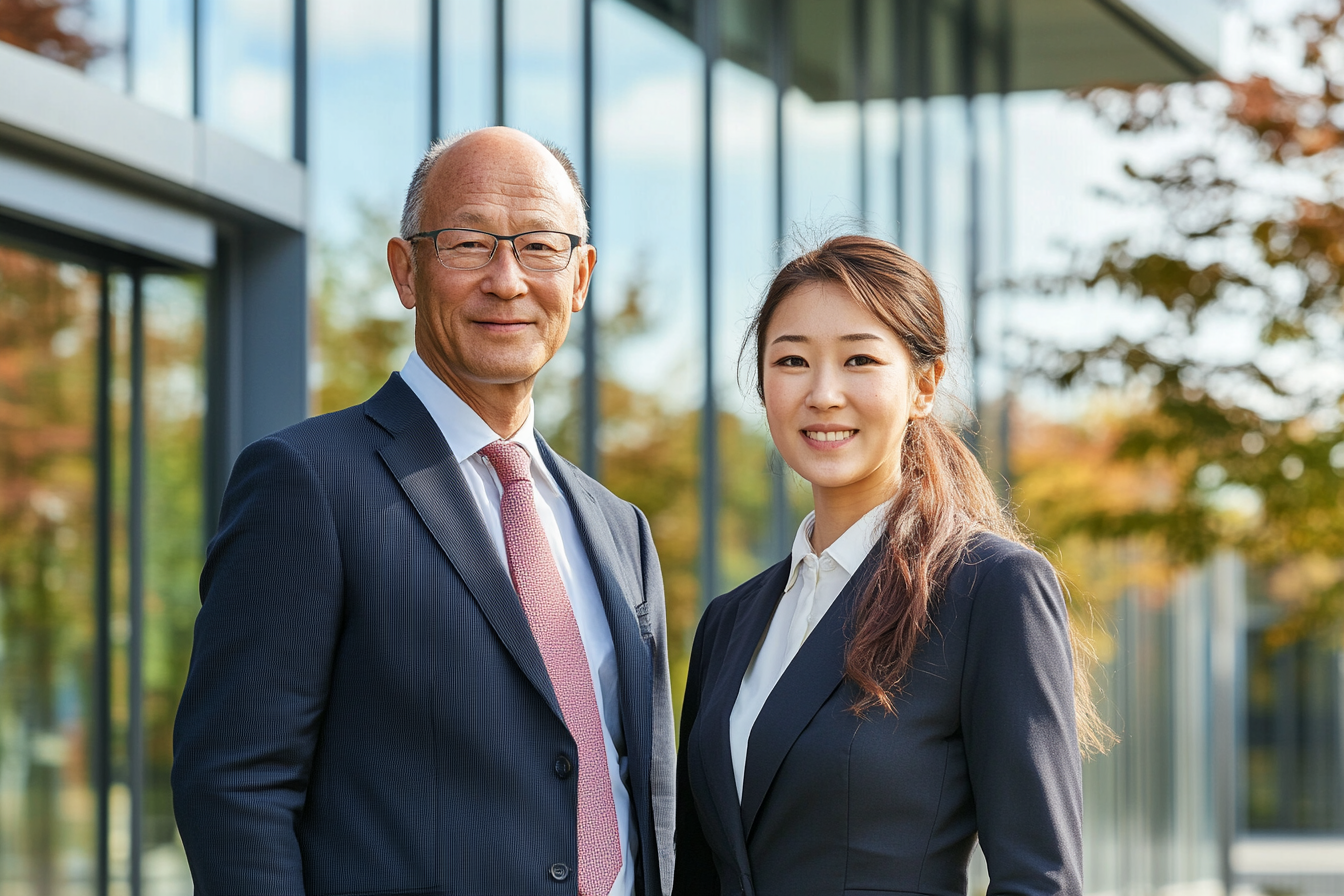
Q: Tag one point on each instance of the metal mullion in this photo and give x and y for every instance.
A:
(589, 395)
(974, 291)
(861, 91)
(709, 430)
(499, 62)
(435, 68)
(300, 152)
(130, 47)
(102, 597)
(196, 58)
(135, 747)
(781, 536)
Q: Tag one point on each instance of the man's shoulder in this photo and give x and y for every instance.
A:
(353, 428)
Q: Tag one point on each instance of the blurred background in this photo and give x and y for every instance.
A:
(1133, 208)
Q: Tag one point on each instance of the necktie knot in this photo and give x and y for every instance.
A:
(510, 460)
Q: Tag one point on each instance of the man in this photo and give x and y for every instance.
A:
(431, 655)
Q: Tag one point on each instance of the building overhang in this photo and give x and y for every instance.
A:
(79, 157)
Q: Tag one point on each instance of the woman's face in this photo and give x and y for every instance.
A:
(840, 388)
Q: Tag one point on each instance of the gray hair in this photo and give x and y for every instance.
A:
(415, 193)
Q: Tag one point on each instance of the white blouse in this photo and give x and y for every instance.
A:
(814, 584)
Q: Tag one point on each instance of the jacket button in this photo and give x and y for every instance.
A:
(562, 769)
(559, 872)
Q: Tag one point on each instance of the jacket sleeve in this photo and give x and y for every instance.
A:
(662, 770)
(1019, 728)
(696, 873)
(259, 675)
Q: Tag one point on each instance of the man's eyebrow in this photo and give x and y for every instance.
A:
(789, 337)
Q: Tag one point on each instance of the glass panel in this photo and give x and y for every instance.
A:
(649, 286)
(467, 66)
(247, 66)
(744, 228)
(821, 124)
(1148, 803)
(161, 55)
(370, 124)
(174, 377)
(1293, 730)
(543, 71)
(48, 376)
(744, 33)
(881, 122)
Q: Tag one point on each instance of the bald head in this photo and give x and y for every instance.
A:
(533, 158)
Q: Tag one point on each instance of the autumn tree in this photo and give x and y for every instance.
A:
(40, 26)
(1243, 377)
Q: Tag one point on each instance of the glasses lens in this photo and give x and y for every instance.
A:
(464, 249)
(543, 250)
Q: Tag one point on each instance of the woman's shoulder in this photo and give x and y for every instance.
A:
(991, 559)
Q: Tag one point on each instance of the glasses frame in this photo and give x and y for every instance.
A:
(575, 241)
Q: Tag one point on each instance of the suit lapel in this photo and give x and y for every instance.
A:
(750, 624)
(808, 682)
(423, 464)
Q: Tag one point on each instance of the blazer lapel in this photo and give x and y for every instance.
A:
(423, 464)
(748, 627)
(808, 682)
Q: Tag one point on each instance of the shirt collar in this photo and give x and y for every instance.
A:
(849, 550)
(464, 430)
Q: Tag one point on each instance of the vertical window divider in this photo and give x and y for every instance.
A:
(709, 428)
(780, 533)
(499, 62)
(589, 393)
(102, 595)
(860, 36)
(196, 91)
(135, 748)
(300, 110)
(435, 69)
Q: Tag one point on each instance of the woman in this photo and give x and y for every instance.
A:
(858, 714)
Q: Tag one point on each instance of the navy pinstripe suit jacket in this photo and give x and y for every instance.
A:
(366, 709)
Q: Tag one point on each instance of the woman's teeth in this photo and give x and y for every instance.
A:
(829, 436)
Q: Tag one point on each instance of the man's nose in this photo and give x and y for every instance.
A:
(505, 275)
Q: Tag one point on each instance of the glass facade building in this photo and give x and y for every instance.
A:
(713, 137)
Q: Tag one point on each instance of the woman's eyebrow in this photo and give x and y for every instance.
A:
(789, 337)
(861, 337)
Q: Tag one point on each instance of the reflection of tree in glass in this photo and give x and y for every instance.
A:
(360, 331)
(41, 26)
(1251, 441)
(48, 344)
(174, 528)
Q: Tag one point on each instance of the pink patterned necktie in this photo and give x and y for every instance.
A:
(546, 604)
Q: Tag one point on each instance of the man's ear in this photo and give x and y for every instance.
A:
(401, 263)
(583, 276)
(926, 388)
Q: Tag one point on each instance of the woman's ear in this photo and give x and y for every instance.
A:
(926, 388)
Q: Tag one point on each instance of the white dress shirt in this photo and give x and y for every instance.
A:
(467, 434)
(814, 584)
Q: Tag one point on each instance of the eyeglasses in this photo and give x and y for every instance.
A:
(543, 251)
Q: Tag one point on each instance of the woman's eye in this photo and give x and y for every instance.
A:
(858, 360)
(791, 361)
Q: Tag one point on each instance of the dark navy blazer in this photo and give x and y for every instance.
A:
(366, 709)
(983, 742)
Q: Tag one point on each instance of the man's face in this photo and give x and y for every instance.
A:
(498, 324)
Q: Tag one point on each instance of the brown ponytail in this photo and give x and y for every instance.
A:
(944, 497)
